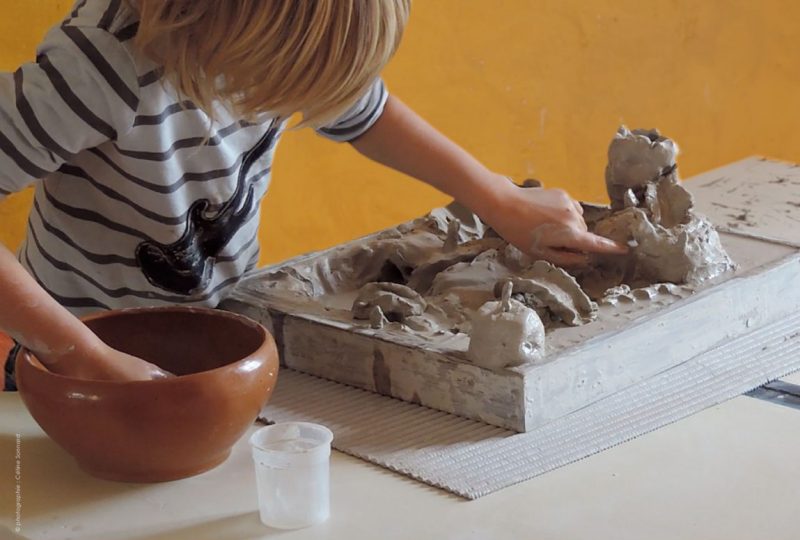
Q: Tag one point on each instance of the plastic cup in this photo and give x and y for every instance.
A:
(292, 474)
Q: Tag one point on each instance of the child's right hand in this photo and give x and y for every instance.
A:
(546, 223)
(59, 340)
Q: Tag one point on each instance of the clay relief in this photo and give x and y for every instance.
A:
(448, 274)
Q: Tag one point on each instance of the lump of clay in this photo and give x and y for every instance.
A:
(505, 333)
(623, 293)
(423, 275)
(473, 281)
(654, 215)
(636, 158)
(426, 245)
(544, 286)
(452, 240)
(470, 227)
(396, 303)
(377, 319)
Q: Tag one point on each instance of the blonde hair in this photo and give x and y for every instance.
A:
(316, 57)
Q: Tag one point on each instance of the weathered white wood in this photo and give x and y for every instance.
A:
(411, 374)
(753, 197)
(626, 345)
(607, 364)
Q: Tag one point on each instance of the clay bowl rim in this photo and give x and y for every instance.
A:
(26, 355)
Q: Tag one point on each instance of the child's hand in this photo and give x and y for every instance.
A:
(101, 362)
(548, 224)
(115, 365)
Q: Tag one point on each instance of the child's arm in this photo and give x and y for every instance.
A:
(51, 109)
(62, 342)
(546, 222)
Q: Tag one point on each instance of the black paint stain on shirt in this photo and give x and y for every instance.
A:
(186, 266)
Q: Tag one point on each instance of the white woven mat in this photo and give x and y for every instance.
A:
(472, 459)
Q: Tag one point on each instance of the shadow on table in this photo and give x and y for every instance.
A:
(238, 527)
(7, 534)
(50, 481)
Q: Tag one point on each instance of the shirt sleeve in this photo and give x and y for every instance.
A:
(81, 91)
(360, 117)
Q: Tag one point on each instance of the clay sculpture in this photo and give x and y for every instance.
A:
(654, 214)
(447, 275)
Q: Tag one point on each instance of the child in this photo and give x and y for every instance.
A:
(149, 128)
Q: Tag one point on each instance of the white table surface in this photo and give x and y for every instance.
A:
(730, 472)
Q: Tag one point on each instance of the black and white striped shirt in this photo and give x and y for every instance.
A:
(134, 205)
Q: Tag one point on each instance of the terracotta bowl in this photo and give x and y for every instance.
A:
(152, 431)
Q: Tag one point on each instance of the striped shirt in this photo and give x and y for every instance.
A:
(141, 199)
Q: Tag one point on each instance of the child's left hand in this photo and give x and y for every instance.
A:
(547, 223)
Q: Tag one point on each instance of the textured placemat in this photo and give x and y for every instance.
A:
(472, 459)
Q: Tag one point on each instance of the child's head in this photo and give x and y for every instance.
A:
(283, 56)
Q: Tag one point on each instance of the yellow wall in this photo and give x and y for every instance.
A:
(534, 88)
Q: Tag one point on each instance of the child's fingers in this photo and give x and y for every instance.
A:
(564, 258)
(592, 243)
(566, 245)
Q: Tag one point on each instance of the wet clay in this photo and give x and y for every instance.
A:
(654, 215)
(506, 333)
(447, 274)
